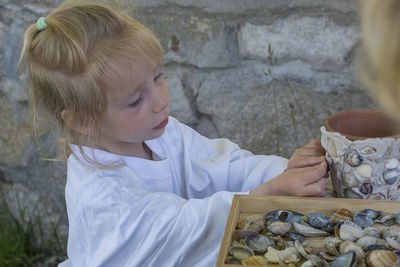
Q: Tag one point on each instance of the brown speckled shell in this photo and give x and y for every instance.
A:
(342, 215)
(381, 258)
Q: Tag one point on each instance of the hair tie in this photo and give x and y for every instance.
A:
(41, 23)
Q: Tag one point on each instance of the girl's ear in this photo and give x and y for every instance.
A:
(74, 124)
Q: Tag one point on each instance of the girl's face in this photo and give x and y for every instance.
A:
(137, 108)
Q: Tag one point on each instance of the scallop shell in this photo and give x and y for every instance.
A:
(254, 223)
(279, 228)
(241, 252)
(353, 158)
(390, 176)
(342, 215)
(364, 170)
(308, 230)
(381, 258)
(254, 260)
(347, 246)
(350, 231)
(391, 163)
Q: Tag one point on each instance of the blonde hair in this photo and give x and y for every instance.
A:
(379, 65)
(68, 61)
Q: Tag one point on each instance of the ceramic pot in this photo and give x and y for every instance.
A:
(363, 152)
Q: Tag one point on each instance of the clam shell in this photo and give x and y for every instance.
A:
(308, 230)
(342, 215)
(254, 260)
(347, 246)
(258, 243)
(390, 176)
(241, 252)
(279, 228)
(391, 163)
(353, 158)
(366, 241)
(381, 258)
(350, 231)
(346, 260)
(363, 219)
(364, 170)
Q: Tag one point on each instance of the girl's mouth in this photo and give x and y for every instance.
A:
(162, 124)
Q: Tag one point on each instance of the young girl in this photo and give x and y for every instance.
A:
(142, 188)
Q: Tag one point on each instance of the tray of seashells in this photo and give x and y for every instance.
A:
(297, 231)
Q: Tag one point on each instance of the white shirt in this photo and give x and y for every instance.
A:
(168, 212)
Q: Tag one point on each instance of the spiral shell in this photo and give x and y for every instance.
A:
(381, 258)
(353, 158)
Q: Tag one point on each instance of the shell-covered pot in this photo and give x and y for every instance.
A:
(363, 152)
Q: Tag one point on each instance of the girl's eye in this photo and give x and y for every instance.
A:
(157, 76)
(137, 102)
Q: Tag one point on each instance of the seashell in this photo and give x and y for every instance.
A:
(240, 234)
(295, 236)
(330, 227)
(258, 243)
(289, 255)
(332, 244)
(308, 230)
(376, 247)
(372, 231)
(317, 220)
(353, 158)
(366, 188)
(279, 215)
(381, 258)
(294, 217)
(342, 215)
(346, 260)
(374, 214)
(314, 245)
(232, 260)
(254, 260)
(392, 232)
(364, 170)
(300, 249)
(331, 147)
(350, 231)
(366, 241)
(349, 180)
(348, 193)
(387, 220)
(279, 228)
(397, 218)
(391, 163)
(367, 150)
(251, 222)
(347, 246)
(376, 196)
(381, 242)
(315, 261)
(390, 176)
(241, 252)
(272, 255)
(393, 243)
(363, 219)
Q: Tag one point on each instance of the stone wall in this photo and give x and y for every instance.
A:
(263, 73)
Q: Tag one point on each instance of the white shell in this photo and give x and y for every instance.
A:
(350, 231)
(272, 255)
(391, 163)
(289, 255)
(364, 170)
(308, 230)
(279, 228)
(366, 241)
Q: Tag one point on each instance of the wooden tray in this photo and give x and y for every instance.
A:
(263, 204)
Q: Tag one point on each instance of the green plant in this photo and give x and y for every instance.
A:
(22, 241)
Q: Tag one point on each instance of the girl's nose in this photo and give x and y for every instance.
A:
(161, 99)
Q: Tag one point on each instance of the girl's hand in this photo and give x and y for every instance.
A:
(303, 181)
(309, 155)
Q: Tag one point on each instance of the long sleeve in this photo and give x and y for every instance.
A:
(212, 165)
(112, 225)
